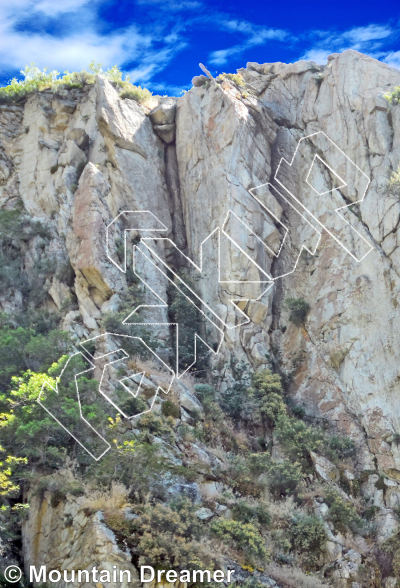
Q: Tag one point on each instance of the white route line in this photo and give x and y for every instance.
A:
(105, 368)
(140, 228)
(148, 218)
(300, 142)
(165, 305)
(47, 384)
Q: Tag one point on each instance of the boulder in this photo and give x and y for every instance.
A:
(325, 468)
(198, 81)
(165, 132)
(189, 402)
(164, 113)
(204, 514)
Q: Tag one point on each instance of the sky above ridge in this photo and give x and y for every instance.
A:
(160, 43)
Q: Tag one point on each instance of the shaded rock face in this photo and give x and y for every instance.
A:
(67, 536)
(79, 158)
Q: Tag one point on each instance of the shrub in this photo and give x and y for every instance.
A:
(393, 187)
(241, 477)
(170, 409)
(298, 439)
(113, 323)
(235, 398)
(28, 431)
(247, 512)
(342, 513)
(299, 309)
(393, 97)
(43, 350)
(22, 349)
(244, 536)
(342, 447)
(284, 478)
(16, 228)
(308, 537)
(137, 93)
(205, 393)
(298, 411)
(66, 273)
(36, 80)
(267, 390)
(137, 464)
(166, 536)
(392, 547)
(7, 485)
(191, 322)
(235, 78)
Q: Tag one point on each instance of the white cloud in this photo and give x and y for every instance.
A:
(368, 33)
(82, 42)
(51, 8)
(392, 58)
(173, 5)
(368, 40)
(254, 35)
(317, 55)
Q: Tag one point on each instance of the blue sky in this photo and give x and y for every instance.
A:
(160, 42)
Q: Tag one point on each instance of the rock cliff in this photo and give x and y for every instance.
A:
(79, 157)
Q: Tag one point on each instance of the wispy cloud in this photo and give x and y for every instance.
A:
(368, 39)
(392, 58)
(173, 5)
(143, 52)
(253, 35)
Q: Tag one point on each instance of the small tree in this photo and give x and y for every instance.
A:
(308, 537)
(299, 309)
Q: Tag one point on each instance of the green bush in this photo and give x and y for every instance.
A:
(235, 398)
(168, 408)
(308, 537)
(22, 349)
(235, 78)
(167, 537)
(267, 390)
(393, 187)
(298, 439)
(191, 322)
(112, 322)
(241, 477)
(43, 350)
(137, 93)
(244, 536)
(28, 431)
(393, 97)
(66, 274)
(342, 513)
(342, 447)
(298, 411)
(35, 80)
(284, 478)
(16, 229)
(299, 309)
(247, 512)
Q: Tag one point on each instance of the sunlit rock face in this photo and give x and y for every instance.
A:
(78, 158)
